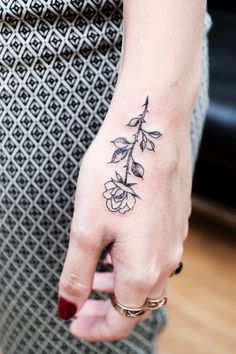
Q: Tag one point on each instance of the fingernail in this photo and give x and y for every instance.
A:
(66, 309)
(180, 267)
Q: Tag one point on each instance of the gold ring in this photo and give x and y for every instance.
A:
(134, 312)
(128, 311)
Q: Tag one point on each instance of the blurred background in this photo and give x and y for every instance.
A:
(202, 299)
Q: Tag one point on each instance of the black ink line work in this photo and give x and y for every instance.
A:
(119, 193)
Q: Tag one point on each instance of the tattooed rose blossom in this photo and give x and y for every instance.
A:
(120, 197)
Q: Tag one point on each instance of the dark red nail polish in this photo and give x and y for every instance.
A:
(66, 309)
(180, 267)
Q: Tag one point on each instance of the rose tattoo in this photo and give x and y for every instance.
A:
(119, 193)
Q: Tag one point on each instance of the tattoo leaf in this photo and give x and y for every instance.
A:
(155, 134)
(150, 145)
(119, 178)
(142, 145)
(137, 169)
(119, 154)
(133, 122)
(143, 142)
(121, 142)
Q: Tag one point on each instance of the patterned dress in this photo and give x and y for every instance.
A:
(58, 70)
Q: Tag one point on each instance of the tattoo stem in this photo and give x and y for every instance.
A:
(136, 136)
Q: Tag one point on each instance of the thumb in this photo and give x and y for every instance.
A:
(76, 279)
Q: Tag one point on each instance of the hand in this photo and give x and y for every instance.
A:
(146, 242)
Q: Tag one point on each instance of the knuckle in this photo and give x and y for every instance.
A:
(87, 242)
(141, 280)
(150, 278)
(72, 285)
(142, 284)
(86, 238)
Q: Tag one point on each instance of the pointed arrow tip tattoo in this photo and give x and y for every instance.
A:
(119, 193)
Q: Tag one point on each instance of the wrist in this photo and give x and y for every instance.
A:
(169, 108)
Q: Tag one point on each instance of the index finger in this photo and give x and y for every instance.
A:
(100, 321)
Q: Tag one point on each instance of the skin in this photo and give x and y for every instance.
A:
(161, 58)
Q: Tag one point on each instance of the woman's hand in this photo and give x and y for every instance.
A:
(161, 58)
(147, 240)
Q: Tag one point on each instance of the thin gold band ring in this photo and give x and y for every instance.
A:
(134, 312)
(128, 311)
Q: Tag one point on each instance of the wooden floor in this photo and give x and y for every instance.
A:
(202, 299)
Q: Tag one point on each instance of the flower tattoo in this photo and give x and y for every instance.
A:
(119, 193)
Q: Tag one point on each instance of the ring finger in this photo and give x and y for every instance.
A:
(104, 282)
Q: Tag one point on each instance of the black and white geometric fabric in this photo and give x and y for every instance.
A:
(58, 69)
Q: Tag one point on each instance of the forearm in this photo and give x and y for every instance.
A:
(161, 53)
